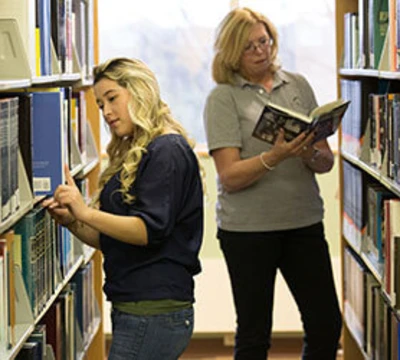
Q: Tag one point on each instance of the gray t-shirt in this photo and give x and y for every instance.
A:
(286, 197)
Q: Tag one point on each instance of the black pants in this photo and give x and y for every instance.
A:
(302, 256)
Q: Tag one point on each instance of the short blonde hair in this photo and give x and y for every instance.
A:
(231, 39)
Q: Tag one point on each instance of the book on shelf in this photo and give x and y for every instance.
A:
(84, 300)
(324, 120)
(355, 125)
(381, 326)
(5, 158)
(378, 115)
(392, 235)
(379, 23)
(67, 298)
(48, 137)
(43, 26)
(30, 351)
(363, 37)
(39, 336)
(3, 302)
(355, 274)
(25, 134)
(375, 240)
(9, 147)
(79, 8)
(61, 31)
(354, 205)
(25, 227)
(80, 127)
(392, 35)
(14, 148)
(6, 251)
(371, 283)
(394, 334)
(53, 321)
(20, 118)
(351, 50)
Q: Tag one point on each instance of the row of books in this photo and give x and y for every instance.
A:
(43, 253)
(49, 128)
(371, 127)
(374, 324)
(372, 36)
(66, 328)
(42, 262)
(371, 225)
(47, 300)
(57, 35)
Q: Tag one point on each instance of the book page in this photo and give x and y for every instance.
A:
(289, 113)
(326, 108)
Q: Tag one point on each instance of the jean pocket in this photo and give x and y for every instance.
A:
(182, 320)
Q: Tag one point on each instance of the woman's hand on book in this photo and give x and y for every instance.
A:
(59, 213)
(68, 197)
(299, 146)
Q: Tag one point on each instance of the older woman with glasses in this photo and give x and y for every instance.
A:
(269, 211)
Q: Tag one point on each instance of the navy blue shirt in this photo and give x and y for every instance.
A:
(169, 199)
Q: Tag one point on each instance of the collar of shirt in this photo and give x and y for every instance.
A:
(280, 78)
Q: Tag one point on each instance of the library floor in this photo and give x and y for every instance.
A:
(214, 349)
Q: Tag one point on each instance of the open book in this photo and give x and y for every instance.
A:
(324, 120)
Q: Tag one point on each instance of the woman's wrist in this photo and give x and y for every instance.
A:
(71, 223)
(265, 163)
(269, 160)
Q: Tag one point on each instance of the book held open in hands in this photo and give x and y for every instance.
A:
(324, 120)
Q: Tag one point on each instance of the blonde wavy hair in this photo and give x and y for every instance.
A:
(231, 39)
(150, 115)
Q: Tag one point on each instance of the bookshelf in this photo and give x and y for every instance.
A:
(368, 75)
(33, 61)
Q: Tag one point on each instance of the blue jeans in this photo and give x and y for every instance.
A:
(302, 256)
(153, 337)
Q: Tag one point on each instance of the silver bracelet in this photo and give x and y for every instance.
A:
(268, 167)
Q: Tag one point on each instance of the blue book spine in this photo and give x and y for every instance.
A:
(78, 279)
(45, 36)
(47, 138)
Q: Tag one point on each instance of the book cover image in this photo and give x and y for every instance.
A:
(272, 120)
(323, 120)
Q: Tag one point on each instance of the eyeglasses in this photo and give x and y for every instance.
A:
(263, 44)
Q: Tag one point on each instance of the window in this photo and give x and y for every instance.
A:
(175, 38)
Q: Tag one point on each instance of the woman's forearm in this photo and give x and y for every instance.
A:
(85, 233)
(128, 229)
(243, 173)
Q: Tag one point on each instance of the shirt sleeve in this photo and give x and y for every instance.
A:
(221, 119)
(157, 193)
